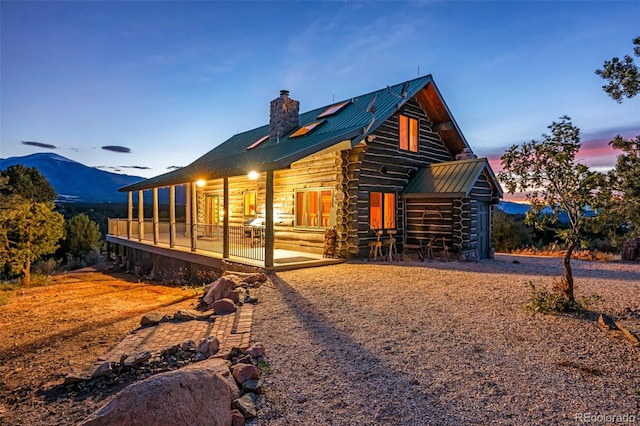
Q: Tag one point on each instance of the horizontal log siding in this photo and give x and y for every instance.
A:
(481, 192)
(310, 173)
(237, 186)
(386, 168)
(430, 218)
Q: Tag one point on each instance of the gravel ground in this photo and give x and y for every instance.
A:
(445, 344)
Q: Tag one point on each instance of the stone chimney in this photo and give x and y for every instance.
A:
(284, 115)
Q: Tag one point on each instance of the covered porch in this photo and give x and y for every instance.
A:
(213, 230)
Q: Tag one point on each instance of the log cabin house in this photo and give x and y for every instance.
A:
(390, 166)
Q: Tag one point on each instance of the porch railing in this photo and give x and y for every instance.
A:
(244, 241)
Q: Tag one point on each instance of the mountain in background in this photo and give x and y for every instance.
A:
(76, 183)
(513, 208)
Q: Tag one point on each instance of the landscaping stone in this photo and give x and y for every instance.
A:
(105, 369)
(248, 277)
(189, 345)
(246, 406)
(256, 350)
(223, 306)
(198, 394)
(208, 347)
(237, 419)
(136, 358)
(244, 372)
(152, 318)
(220, 288)
(606, 322)
(186, 315)
(253, 385)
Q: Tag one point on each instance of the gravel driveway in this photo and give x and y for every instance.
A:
(445, 344)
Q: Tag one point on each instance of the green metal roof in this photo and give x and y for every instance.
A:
(353, 122)
(450, 179)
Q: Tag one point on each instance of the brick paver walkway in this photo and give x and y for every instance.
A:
(232, 330)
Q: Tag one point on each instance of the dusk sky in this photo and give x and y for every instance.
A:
(141, 87)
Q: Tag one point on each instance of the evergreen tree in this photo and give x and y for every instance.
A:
(82, 236)
(29, 227)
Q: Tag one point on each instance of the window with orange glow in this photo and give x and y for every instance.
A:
(313, 208)
(389, 210)
(382, 210)
(408, 133)
(250, 203)
(375, 210)
(334, 109)
(306, 129)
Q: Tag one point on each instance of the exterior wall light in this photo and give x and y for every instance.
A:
(200, 183)
(253, 175)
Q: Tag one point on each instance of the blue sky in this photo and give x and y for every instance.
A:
(172, 80)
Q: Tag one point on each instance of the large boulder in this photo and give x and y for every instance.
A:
(219, 288)
(201, 393)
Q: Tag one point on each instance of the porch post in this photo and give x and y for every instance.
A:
(156, 225)
(269, 236)
(187, 210)
(225, 218)
(140, 215)
(194, 217)
(172, 215)
(129, 214)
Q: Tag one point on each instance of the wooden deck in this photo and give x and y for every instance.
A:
(209, 252)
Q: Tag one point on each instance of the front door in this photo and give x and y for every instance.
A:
(211, 214)
(483, 230)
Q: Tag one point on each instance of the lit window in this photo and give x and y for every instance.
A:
(408, 134)
(249, 203)
(258, 142)
(306, 129)
(334, 109)
(313, 208)
(382, 210)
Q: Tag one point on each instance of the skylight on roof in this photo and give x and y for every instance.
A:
(307, 128)
(258, 142)
(334, 109)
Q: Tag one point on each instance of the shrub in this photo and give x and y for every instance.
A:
(555, 300)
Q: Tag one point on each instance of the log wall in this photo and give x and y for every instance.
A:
(386, 168)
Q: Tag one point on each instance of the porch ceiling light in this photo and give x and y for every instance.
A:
(200, 182)
(253, 175)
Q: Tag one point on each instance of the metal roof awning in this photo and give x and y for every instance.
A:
(450, 179)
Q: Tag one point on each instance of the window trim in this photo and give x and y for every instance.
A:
(383, 206)
(319, 191)
(410, 121)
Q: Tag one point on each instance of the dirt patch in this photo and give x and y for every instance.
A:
(47, 332)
